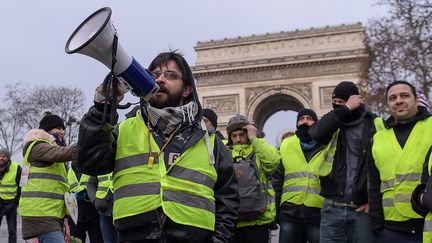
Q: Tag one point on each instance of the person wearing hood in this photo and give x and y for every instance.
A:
(395, 160)
(297, 185)
(42, 206)
(245, 141)
(173, 181)
(344, 215)
(10, 191)
(210, 118)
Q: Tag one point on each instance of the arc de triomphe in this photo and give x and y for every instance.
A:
(260, 75)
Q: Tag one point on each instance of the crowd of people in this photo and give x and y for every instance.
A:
(166, 174)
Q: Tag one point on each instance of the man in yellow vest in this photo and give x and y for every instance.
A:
(10, 191)
(395, 161)
(88, 217)
(100, 191)
(44, 183)
(173, 180)
(245, 141)
(297, 184)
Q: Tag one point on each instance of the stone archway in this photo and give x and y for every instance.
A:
(270, 102)
(259, 75)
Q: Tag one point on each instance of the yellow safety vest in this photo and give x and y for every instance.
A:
(427, 228)
(301, 184)
(184, 191)
(269, 215)
(44, 194)
(74, 184)
(8, 185)
(400, 169)
(105, 184)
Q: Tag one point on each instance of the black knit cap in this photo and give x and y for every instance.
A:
(51, 121)
(211, 116)
(307, 111)
(344, 90)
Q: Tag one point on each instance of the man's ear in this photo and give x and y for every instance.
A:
(187, 90)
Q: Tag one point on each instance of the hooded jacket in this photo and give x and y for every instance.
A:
(97, 146)
(359, 124)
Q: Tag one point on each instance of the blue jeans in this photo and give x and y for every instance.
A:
(390, 236)
(51, 237)
(297, 232)
(109, 233)
(344, 224)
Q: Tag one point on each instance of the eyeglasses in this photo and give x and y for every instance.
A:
(171, 75)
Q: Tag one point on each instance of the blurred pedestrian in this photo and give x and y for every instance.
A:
(10, 191)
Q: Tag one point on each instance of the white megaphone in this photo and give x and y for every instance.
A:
(94, 37)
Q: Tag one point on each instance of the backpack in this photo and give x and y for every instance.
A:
(253, 195)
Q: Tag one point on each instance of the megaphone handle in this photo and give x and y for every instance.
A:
(109, 82)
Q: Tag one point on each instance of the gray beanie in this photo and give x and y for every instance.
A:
(6, 152)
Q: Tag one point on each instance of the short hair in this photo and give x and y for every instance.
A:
(413, 89)
(163, 58)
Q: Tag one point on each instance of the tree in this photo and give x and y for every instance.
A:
(400, 48)
(24, 106)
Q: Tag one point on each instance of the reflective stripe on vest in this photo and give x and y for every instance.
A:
(300, 185)
(74, 184)
(325, 167)
(184, 191)
(427, 228)
(104, 185)
(8, 186)
(44, 194)
(400, 169)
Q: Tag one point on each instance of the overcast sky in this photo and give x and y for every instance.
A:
(34, 33)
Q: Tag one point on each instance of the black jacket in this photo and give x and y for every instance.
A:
(333, 186)
(402, 132)
(105, 205)
(96, 155)
(424, 206)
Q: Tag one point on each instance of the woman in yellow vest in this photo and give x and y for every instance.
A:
(42, 205)
(297, 185)
(173, 181)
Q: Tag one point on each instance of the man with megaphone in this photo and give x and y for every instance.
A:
(173, 180)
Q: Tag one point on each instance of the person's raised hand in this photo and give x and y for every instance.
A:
(99, 96)
(354, 102)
